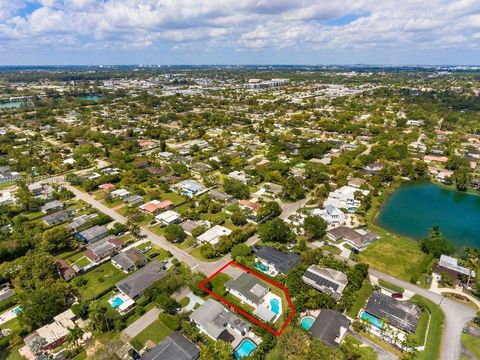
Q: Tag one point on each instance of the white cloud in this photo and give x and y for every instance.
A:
(252, 24)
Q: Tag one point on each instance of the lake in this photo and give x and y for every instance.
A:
(415, 207)
(91, 97)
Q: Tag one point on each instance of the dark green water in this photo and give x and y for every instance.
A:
(415, 207)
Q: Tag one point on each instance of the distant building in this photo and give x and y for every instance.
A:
(52, 206)
(333, 216)
(92, 234)
(103, 248)
(56, 218)
(154, 207)
(345, 198)
(357, 238)
(189, 188)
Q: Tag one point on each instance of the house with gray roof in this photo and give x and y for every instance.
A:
(219, 323)
(276, 259)
(103, 248)
(56, 218)
(135, 285)
(52, 206)
(248, 288)
(403, 315)
(175, 347)
(357, 238)
(330, 327)
(79, 221)
(330, 281)
(92, 234)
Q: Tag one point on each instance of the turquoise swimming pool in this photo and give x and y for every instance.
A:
(307, 322)
(260, 266)
(372, 320)
(17, 310)
(117, 301)
(275, 306)
(245, 348)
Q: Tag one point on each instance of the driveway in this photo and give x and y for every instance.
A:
(144, 321)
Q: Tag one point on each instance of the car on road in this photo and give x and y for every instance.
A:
(397, 295)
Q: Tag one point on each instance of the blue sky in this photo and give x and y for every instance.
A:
(239, 32)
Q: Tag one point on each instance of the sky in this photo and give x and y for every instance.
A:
(168, 32)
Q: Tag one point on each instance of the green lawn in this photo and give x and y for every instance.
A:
(392, 255)
(155, 332)
(362, 296)
(217, 283)
(170, 321)
(109, 274)
(435, 330)
(12, 354)
(472, 343)
(421, 331)
(365, 353)
(185, 301)
(331, 248)
(173, 197)
(197, 253)
(390, 286)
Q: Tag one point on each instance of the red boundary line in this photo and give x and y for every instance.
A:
(249, 316)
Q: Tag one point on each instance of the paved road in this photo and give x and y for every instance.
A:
(456, 314)
(139, 325)
(381, 352)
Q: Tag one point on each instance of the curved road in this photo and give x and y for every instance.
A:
(456, 314)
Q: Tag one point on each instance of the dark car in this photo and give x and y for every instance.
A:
(397, 295)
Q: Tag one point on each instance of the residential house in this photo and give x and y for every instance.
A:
(107, 187)
(450, 265)
(189, 188)
(275, 259)
(272, 189)
(213, 235)
(359, 239)
(154, 207)
(189, 225)
(168, 217)
(56, 218)
(248, 288)
(6, 292)
(55, 333)
(330, 327)
(373, 169)
(219, 323)
(135, 284)
(175, 347)
(240, 176)
(7, 198)
(65, 270)
(103, 248)
(129, 260)
(79, 221)
(402, 315)
(330, 281)
(52, 206)
(133, 200)
(120, 193)
(92, 234)
(250, 206)
(221, 196)
(333, 216)
(345, 198)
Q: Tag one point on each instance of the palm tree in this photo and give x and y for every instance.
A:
(472, 262)
(74, 335)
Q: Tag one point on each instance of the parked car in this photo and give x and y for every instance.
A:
(397, 295)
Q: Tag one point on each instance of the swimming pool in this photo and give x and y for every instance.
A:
(245, 348)
(275, 306)
(261, 266)
(372, 320)
(17, 310)
(307, 322)
(117, 301)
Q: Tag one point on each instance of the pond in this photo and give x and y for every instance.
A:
(91, 97)
(415, 207)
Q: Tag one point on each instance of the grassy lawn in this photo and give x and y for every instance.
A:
(155, 332)
(390, 286)
(82, 262)
(173, 197)
(12, 354)
(185, 301)
(169, 320)
(109, 274)
(435, 330)
(472, 343)
(187, 243)
(197, 253)
(218, 282)
(392, 255)
(421, 332)
(366, 353)
(331, 248)
(362, 296)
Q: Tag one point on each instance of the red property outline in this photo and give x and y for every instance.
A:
(229, 304)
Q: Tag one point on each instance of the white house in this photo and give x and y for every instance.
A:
(344, 197)
(212, 235)
(120, 193)
(168, 217)
(333, 216)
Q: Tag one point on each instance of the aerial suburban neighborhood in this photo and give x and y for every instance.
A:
(239, 180)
